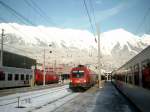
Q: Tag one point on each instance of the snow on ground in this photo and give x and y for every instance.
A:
(61, 99)
(42, 100)
(106, 99)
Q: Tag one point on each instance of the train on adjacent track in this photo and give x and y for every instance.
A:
(15, 77)
(19, 77)
(50, 77)
(82, 77)
(16, 72)
(133, 80)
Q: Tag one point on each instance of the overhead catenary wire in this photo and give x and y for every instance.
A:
(49, 19)
(18, 14)
(89, 17)
(99, 62)
(14, 14)
(35, 9)
(19, 32)
(94, 17)
(39, 11)
(11, 45)
(22, 17)
(93, 11)
(13, 27)
(22, 50)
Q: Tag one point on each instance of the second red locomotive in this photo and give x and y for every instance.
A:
(50, 77)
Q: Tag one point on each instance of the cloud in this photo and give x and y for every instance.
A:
(124, 5)
(83, 22)
(98, 1)
(102, 15)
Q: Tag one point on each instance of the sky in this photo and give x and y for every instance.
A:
(131, 15)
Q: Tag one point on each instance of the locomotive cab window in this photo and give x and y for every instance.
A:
(2, 76)
(78, 74)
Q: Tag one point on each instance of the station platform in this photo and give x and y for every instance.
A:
(105, 99)
(109, 99)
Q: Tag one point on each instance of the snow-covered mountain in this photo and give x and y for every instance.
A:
(117, 38)
(72, 46)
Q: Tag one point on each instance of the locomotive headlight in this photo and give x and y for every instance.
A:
(84, 81)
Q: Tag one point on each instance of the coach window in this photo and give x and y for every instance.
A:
(27, 77)
(146, 74)
(22, 76)
(136, 74)
(130, 75)
(127, 76)
(124, 75)
(16, 76)
(2, 76)
(10, 77)
(30, 76)
(123, 78)
(78, 74)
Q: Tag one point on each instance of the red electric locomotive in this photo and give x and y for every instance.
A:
(83, 77)
(50, 77)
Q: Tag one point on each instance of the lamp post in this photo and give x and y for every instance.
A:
(1, 59)
(99, 61)
(44, 71)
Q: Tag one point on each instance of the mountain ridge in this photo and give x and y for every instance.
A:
(79, 45)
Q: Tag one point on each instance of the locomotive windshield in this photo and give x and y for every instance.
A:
(77, 74)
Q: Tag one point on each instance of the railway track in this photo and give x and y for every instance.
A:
(58, 103)
(11, 99)
(55, 104)
(5, 92)
(37, 101)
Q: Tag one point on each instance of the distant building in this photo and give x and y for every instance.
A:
(18, 61)
(108, 75)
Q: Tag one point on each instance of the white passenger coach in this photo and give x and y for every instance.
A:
(14, 77)
(133, 80)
